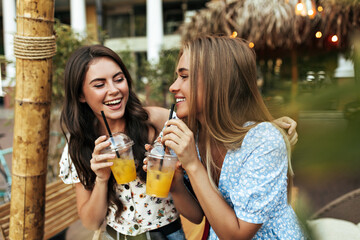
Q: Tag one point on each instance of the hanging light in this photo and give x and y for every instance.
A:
(300, 8)
(334, 38)
(233, 35)
(306, 8)
(251, 44)
(318, 34)
(320, 8)
(311, 10)
(311, 13)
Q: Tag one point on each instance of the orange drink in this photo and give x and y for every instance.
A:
(160, 172)
(123, 167)
(158, 182)
(123, 170)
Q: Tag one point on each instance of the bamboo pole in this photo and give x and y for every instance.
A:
(34, 46)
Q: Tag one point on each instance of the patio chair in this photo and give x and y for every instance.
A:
(345, 207)
(339, 219)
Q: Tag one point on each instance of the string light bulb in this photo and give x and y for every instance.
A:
(251, 44)
(300, 9)
(318, 34)
(311, 13)
(306, 8)
(299, 6)
(311, 9)
(334, 38)
(233, 35)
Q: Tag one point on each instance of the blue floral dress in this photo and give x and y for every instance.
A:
(253, 182)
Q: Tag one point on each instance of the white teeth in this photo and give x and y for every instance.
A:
(113, 102)
(180, 100)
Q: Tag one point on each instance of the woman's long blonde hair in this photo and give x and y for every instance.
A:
(227, 67)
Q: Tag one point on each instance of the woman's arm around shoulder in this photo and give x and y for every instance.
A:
(157, 116)
(289, 125)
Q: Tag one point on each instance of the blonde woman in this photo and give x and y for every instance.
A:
(237, 161)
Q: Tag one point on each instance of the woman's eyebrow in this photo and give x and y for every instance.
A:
(97, 79)
(182, 69)
(118, 73)
(102, 79)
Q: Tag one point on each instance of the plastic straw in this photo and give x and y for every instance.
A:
(110, 134)
(171, 111)
(170, 117)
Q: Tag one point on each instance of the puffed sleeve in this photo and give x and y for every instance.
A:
(67, 169)
(261, 186)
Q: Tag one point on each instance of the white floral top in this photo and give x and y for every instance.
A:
(141, 212)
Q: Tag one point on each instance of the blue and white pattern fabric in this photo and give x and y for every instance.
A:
(253, 182)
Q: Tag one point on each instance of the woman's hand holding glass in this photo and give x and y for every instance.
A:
(180, 138)
(99, 163)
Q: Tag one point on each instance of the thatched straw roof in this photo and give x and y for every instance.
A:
(340, 17)
(273, 24)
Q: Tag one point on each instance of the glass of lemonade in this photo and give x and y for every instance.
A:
(160, 172)
(123, 167)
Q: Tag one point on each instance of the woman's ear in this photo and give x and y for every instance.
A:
(82, 98)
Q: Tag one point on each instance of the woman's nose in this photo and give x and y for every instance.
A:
(174, 87)
(112, 88)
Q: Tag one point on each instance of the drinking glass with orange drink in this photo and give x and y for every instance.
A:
(160, 171)
(123, 167)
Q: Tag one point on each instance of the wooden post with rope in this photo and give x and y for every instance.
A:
(34, 47)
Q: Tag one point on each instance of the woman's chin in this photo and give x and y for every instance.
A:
(181, 115)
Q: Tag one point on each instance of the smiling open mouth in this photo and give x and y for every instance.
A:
(180, 100)
(113, 102)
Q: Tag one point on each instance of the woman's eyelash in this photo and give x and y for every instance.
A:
(181, 76)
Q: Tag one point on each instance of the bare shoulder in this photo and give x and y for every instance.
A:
(157, 116)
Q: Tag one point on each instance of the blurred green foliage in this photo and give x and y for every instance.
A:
(66, 42)
(329, 121)
(326, 159)
(159, 76)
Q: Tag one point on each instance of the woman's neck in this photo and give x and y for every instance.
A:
(218, 150)
(118, 125)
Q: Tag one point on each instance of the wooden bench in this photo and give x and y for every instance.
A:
(60, 210)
